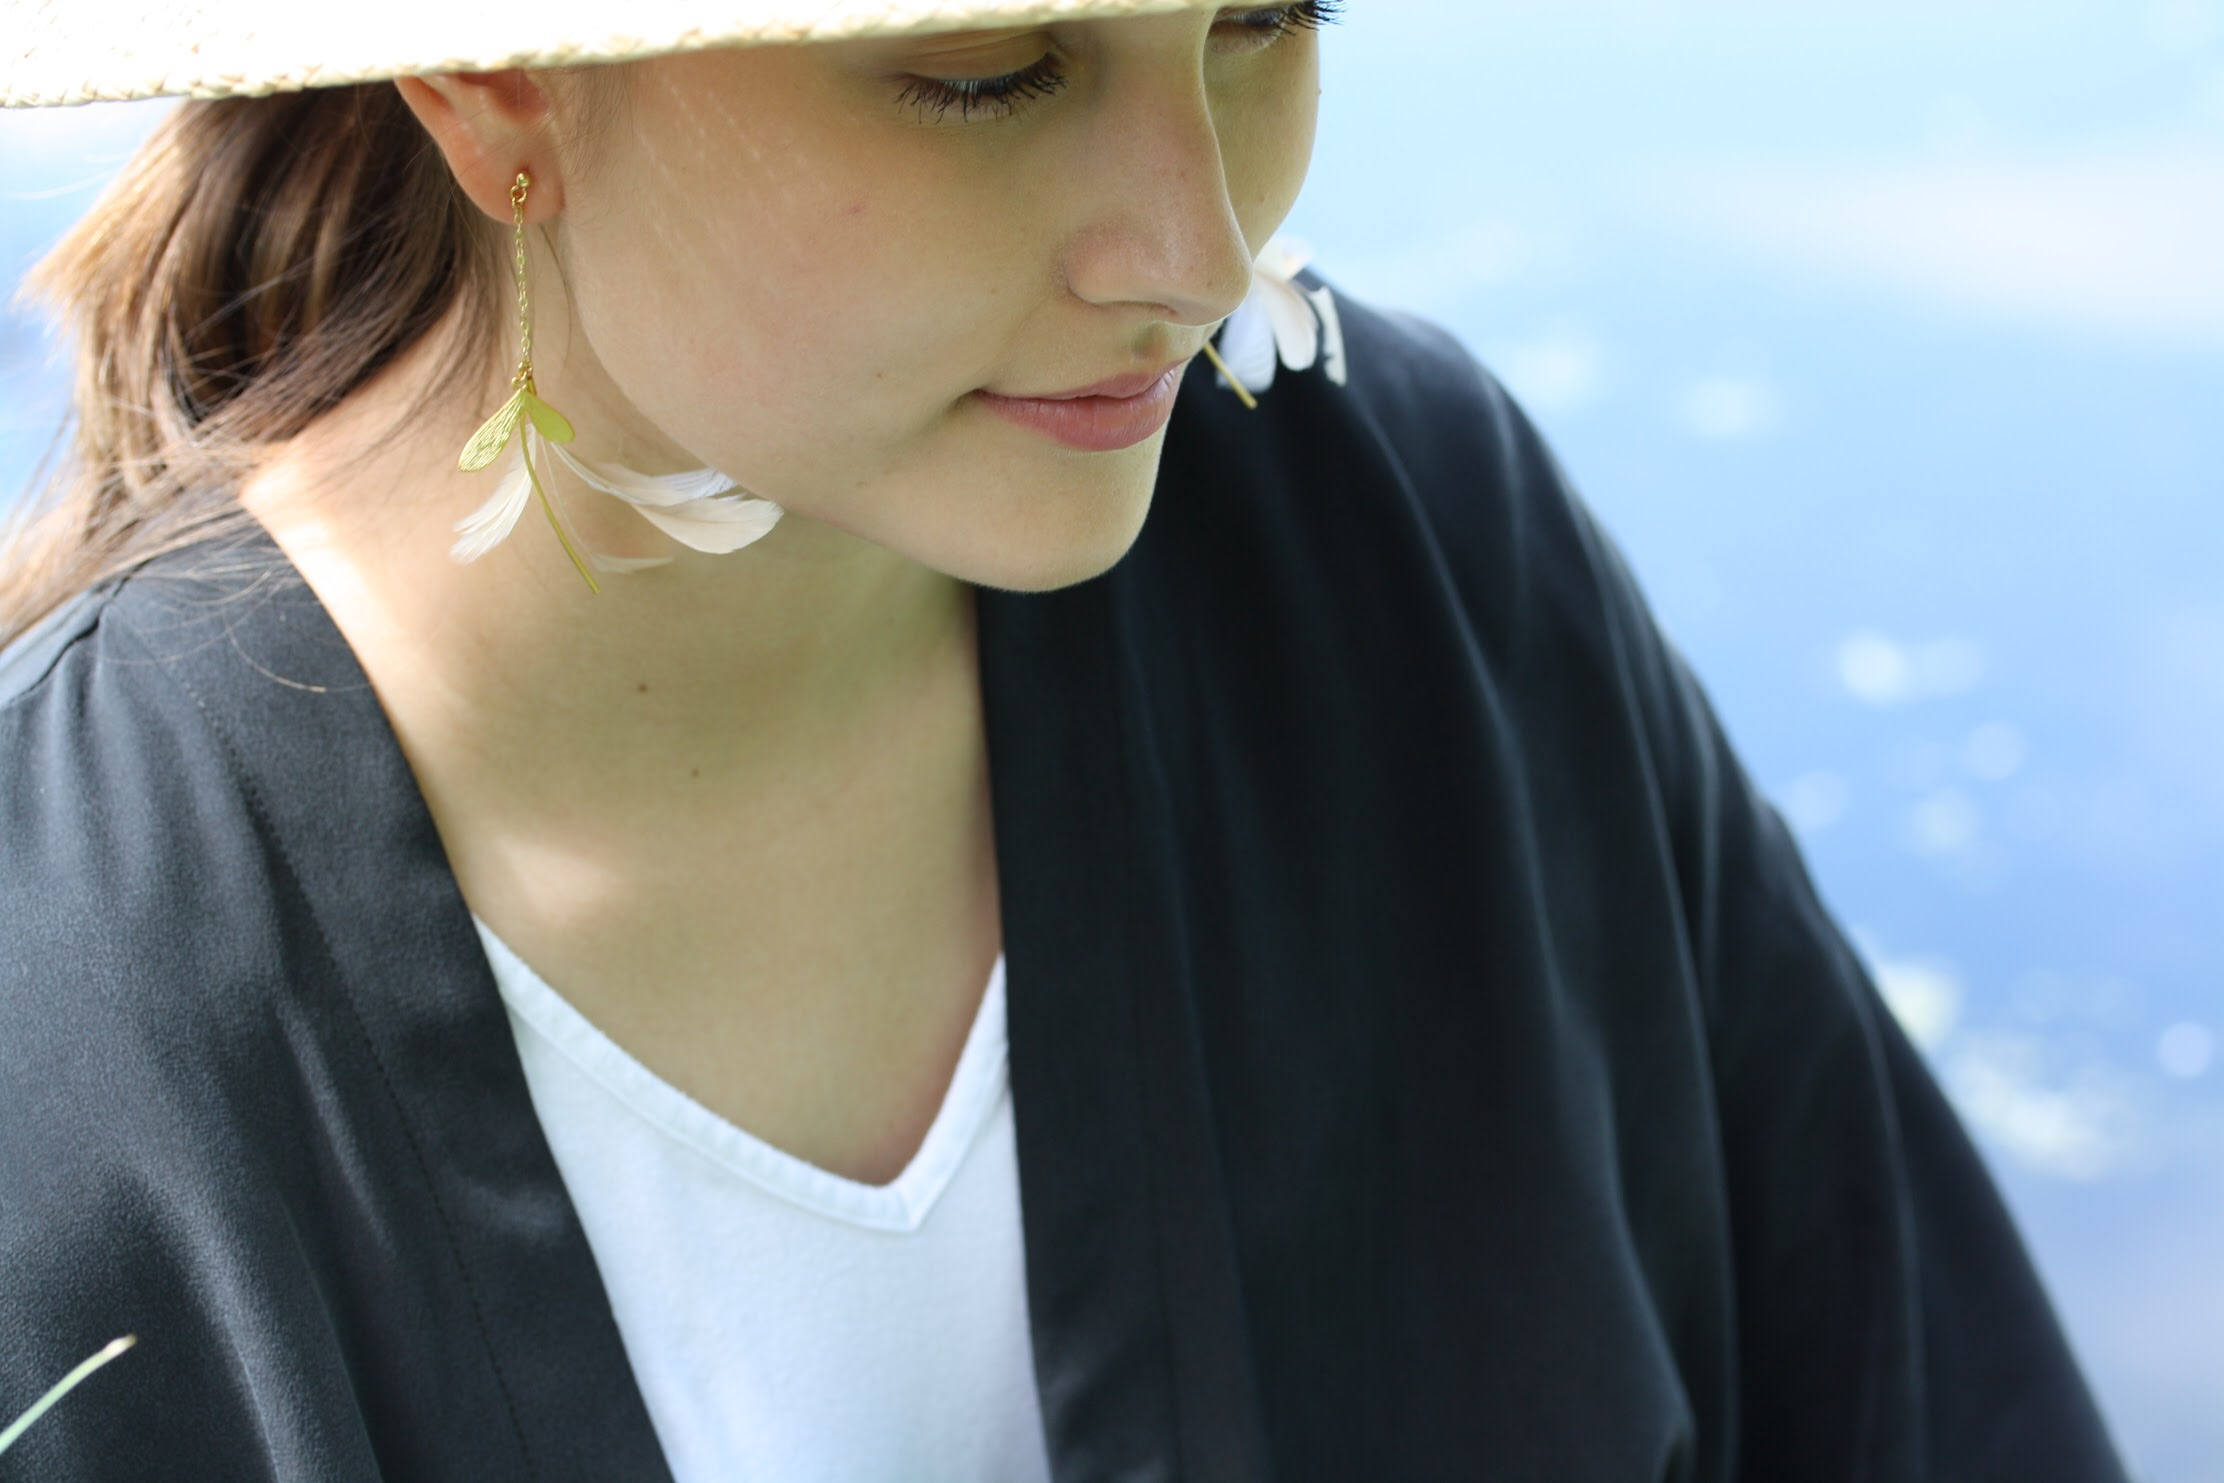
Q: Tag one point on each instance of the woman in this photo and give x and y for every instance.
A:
(493, 994)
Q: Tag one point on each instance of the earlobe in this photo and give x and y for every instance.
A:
(488, 126)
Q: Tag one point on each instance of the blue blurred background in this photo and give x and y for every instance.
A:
(1890, 344)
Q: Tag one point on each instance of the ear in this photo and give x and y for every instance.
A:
(489, 126)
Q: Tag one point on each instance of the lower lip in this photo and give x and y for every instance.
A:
(1094, 424)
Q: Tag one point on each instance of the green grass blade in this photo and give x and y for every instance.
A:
(62, 1388)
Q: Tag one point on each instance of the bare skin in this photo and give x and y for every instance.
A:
(736, 809)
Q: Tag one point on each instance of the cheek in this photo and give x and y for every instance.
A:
(861, 311)
(721, 247)
(1267, 142)
(782, 330)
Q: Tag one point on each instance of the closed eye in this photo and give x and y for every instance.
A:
(1008, 93)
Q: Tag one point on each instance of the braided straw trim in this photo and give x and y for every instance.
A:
(66, 52)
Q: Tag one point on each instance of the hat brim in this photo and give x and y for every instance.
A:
(64, 52)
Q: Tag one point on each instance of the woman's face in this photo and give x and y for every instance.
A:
(795, 265)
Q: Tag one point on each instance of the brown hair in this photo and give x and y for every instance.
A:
(253, 263)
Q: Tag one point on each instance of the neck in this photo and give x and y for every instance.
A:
(508, 681)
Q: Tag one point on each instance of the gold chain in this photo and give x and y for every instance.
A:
(524, 376)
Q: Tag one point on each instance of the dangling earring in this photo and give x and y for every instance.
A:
(701, 509)
(493, 521)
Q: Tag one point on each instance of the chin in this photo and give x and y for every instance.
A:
(1042, 576)
(1023, 559)
(1015, 567)
(1035, 539)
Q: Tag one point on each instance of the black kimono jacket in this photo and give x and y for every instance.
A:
(1429, 1056)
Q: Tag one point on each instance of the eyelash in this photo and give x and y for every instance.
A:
(1006, 95)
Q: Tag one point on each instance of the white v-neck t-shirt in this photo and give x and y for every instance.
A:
(785, 1323)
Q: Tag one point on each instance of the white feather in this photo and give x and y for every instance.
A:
(488, 526)
(533, 440)
(702, 509)
(637, 488)
(718, 525)
(603, 562)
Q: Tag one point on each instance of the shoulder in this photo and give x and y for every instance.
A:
(130, 855)
(76, 711)
(82, 705)
(26, 663)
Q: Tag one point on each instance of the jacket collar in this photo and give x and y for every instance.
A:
(1141, 1355)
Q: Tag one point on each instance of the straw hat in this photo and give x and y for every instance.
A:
(85, 51)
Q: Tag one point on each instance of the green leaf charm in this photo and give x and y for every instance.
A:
(493, 435)
(550, 421)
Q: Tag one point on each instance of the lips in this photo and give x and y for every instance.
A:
(1096, 424)
(1133, 383)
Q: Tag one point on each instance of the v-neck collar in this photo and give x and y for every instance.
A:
(1141, 1353)
(901, 1205)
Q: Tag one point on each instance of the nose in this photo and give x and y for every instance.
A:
(1161, 232)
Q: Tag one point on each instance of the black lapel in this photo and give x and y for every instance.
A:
(346, 822)
(1141, 1353)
